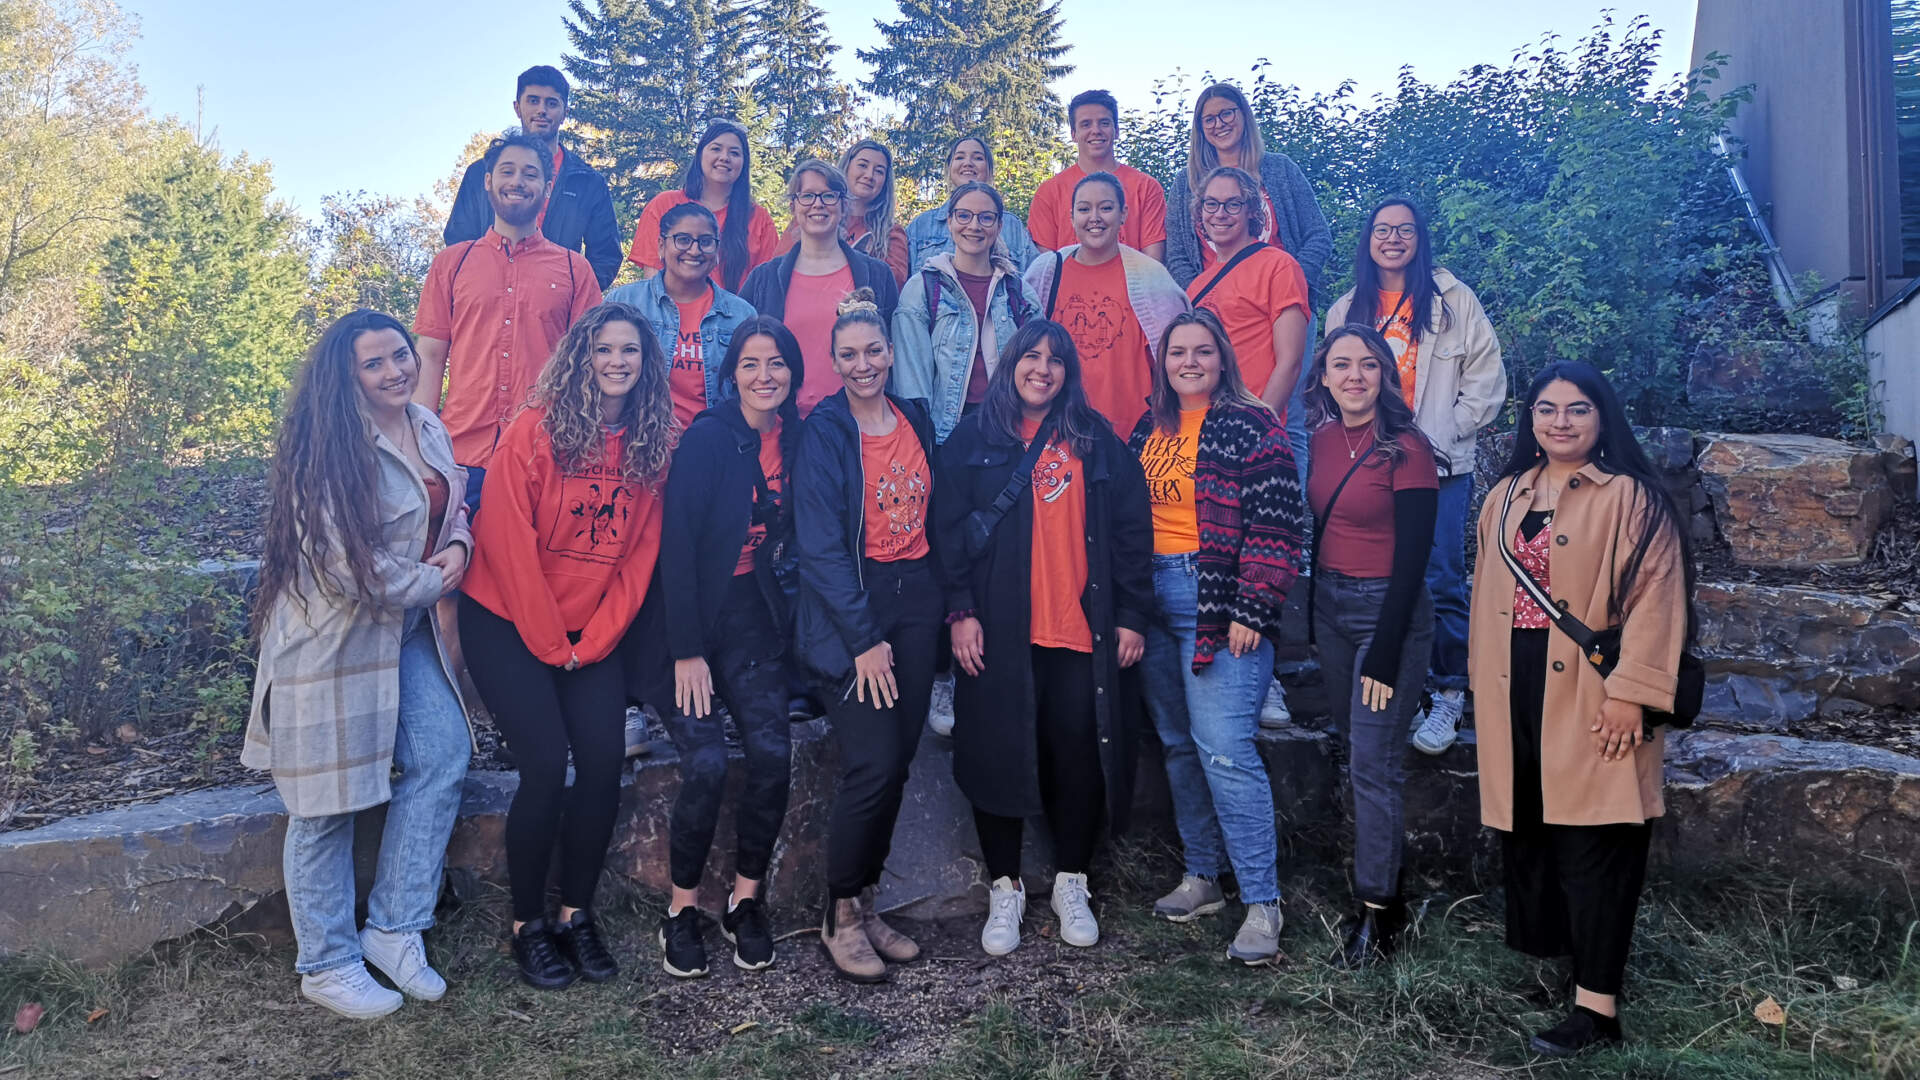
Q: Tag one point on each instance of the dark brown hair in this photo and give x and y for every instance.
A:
(1003, 413)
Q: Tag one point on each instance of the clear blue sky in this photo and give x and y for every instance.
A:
(381, 95)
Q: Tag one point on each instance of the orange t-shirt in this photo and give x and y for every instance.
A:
(1394, 320)
(1264, 285)
(762, 238)
(1059, 562)
(897, 482)
(775, 470)
(1115, 364)
(687, 368)
(1050, 217)
(1168, 461)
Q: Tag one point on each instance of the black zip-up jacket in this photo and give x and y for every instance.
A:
(579, 214)
(766, 287)
(710, 497)
(832, 622)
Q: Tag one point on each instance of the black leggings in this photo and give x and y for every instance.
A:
(876, 745)
(545, 711)
(749, 670)
(1072, 788)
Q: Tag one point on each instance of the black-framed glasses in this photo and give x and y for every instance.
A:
(1223, 118)
(706, 242)
(821, 198)
(1215, 206)
(987, 219)
(1404, 231)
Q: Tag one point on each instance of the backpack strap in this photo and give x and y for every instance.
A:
(1053, 290)
(1244, 254)
(930, 280)
(1017, 304)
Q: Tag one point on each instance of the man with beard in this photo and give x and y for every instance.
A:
(578, 214)
(493, 308)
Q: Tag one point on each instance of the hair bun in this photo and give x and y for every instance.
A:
(860, 300)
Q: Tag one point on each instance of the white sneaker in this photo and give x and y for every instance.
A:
(1440, 725)
(350, 991)
(636, 733)
(1274, 715)
(1070, 896)
(941, 721)
(940, 713)
(1006, 906)
(402, 958)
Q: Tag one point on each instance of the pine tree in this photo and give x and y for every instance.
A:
(965, 66)
(810, 113)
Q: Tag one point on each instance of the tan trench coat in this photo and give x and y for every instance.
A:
(1593, 532)
(326, 697)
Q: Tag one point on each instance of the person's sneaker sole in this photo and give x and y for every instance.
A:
(745, 965)
(667, 965)
(1214, 908)
(1259, 961)
(1431, 750)
(373, 1014)
(864, 980)
(382, 969)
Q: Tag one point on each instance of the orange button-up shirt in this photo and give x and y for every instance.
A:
(502, 306)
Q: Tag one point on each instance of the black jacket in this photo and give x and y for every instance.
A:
(995, 749)
(766, 287)
(832, 622)
(579, 214)
(711, 491)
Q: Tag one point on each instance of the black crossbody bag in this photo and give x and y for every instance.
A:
(1602, 647)
(981, 523)
(1320, 529)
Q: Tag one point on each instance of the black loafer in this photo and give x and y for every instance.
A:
(579, 941)
(1583, 1029)
(538, 955)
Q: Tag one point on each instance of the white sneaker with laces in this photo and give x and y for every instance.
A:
(636, 731)
(1275, 715)
(1006, 906)
(350, 991)
(1070, 896)
(1441, 725)
(402, 958)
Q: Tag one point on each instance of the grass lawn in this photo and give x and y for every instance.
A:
(1152, 1000)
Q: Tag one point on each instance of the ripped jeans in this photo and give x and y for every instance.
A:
(1222, 802)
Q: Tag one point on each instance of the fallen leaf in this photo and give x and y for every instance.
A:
(96, 751)
(518, 1015)
(96, 1014)
(1769, 1012)
(1845, 982)
(28, 1017)
(746, 1026)
(826, 1049)
(127, 733)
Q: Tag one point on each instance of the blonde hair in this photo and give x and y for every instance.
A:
(860, 307)
(1202, 158)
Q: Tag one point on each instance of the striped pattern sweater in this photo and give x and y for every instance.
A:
(1252, 522)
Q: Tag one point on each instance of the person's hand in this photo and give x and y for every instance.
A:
(692, 686)
(1375, 694)
(1133, 646)
(969, 645)
(452, 561)
(1242, 639)
(1617, 731)
(873, 671)
(573, 662)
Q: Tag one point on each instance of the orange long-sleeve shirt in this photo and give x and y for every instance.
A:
(562, 551)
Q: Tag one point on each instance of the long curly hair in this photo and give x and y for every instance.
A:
(324, 491)
(567, 391)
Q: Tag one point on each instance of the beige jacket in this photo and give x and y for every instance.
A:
(1460, 381)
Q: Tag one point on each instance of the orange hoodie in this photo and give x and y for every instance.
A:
(559, 551)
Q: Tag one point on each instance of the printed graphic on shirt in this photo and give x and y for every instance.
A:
(1052, 474)
(1396, 325)
(687, 378)
(1093, 322)
(900, 495)
(1168, 461)
(598, 503)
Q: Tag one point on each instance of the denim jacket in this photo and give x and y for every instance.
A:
(663, 315)
(927, 236)
(934, 363)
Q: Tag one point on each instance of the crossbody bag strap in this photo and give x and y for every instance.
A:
(1239, 257)
(1565, 620)
(1320, 529)
(1022, 478)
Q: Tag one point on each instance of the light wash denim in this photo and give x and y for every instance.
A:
(1297, 433)
(430, 751)
(934, 362)
(663, 316)
(927, 236)
(1447, 583)
(1222, 801)
(1346, 610)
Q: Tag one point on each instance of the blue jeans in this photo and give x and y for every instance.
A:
(1222, 801)
(1447, 582)
(1297, 433)
(430, 750)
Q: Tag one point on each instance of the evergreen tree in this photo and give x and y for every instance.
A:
(967, 66)
(809, 112)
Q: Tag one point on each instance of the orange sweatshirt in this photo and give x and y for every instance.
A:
(557, 552)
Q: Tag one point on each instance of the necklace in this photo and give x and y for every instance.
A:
(1353, 451)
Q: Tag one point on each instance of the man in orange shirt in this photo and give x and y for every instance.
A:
(493, 308)
(1094, 117)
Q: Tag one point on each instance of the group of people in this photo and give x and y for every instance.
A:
(1080, 461)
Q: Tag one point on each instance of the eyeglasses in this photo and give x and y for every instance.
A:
(1547, 412)
(822, 198)
(706, 242)
(1404, 231)
(987, 218)
(1215, 206)
(1221, 119)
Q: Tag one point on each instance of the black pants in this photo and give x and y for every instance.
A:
(545, 711)
(749, 671)
(1571, 889)
(876, 744)
(1072, 788)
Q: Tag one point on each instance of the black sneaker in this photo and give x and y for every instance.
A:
(684, 950)
(1583, 1028)
(538, 955)
(746, 926)
(579, 941)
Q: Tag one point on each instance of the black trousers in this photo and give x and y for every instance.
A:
(876, 744)
(749, 670)
(1571, 889)
(1072, 789)
(544, 712)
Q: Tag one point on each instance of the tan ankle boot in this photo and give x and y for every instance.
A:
(843, 936)
(887, 941)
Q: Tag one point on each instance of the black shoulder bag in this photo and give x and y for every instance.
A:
(1239, 257)
(1602, 647)
(1320, 525)
(981, 523)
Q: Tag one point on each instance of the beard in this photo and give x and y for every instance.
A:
(518, 215)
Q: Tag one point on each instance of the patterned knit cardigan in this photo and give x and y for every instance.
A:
(1252, 524)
